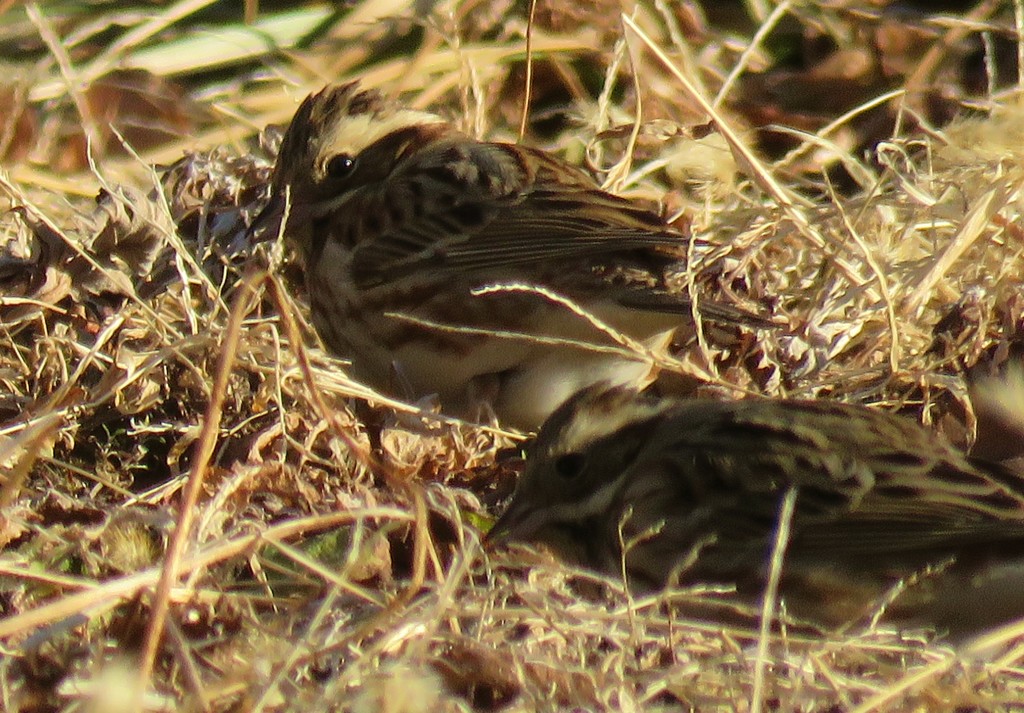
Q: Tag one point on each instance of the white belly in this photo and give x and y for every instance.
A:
(520, 379)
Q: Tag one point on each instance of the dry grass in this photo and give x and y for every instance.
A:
(188, 480)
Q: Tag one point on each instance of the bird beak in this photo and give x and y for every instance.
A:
(514, 523)
(267, 223)
(499, 530)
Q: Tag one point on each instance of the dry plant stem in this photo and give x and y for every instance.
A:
(190, 496)
(272, 691)
(55, 581)
(818, 138)
(617, 172)
(883, 283)
(625, 342)
(186, 658)
(337, 580)
(123, 49)
(413, 491)
(523, 336)
(98, 598)
(624, 345)
(983, 644)
(758, 9)
(884, 699)
(25, 447)
(1018, 20)
(268, 105)
(617, 175)
(771, 597)
(974, 224)
(698, 323)
(528, 80)
(367, 459)
(755, 42)
(922, 75)
(789, 201)
(71, 78)
(686, 50)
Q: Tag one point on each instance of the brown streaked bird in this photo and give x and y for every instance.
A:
(398, 216)
(696, 487)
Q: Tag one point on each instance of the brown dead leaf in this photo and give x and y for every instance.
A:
(129, 235)
(28, 263)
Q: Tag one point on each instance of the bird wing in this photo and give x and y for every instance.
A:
(467, 206)
(868, 482)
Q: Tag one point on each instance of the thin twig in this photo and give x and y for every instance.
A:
(190, 497)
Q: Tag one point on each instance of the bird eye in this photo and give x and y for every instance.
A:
(570, 465)
(341, 166)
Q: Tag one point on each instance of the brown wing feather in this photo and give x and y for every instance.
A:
(868, 482)
(489, 211)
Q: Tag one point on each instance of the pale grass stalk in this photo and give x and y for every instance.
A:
(275, 106)
(29, 573)
(594, 148)
(982, 646)
(698, 323)
(624, 547)
(903, 585)
(337, 382)
(519, 336)
(767, 25)
(528, 78)
(423, 546)
(633, 348)
(883, 283)
(299, 649)
(683, 46)
(819, 137)
(758, 9)
(794, 205)
(616, 175)
(114, 54)
(865, 177)
(100, 597)
(190, 497)
(889, 695)
(186, 658)
(1018, 21)
(771, 598)
(975, 223)
(923, 75)
(73, 83)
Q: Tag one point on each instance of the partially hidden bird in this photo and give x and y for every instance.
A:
(889, 522)
(417, 242)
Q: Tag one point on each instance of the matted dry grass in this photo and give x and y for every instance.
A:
(196, 497)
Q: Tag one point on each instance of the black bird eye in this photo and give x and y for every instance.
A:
(570, 465)
(341, 166)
